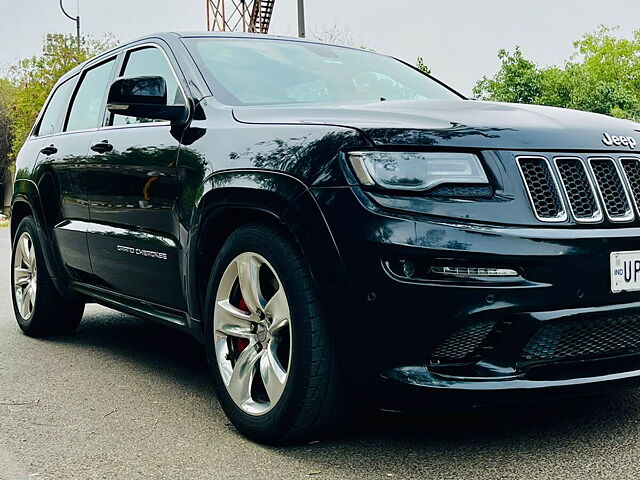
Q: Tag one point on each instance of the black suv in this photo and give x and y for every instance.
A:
(332, 224)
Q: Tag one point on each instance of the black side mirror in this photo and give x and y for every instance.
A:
(144, 97)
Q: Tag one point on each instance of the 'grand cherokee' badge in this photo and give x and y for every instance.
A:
(610, 140)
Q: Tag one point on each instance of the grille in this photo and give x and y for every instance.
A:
(542, 188)
(599, 337)
(631, 169)
(465, 344)
(580, 192)
(615, 198)
(590, 187)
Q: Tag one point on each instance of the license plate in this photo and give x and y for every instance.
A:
(625, 271)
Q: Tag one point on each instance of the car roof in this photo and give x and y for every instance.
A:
(195, 34)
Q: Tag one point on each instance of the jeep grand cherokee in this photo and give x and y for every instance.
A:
(332, 224)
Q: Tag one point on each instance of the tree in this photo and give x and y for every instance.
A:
(33, 78)
(7, 92)
(518, 80)
(332, 34)
(602, 76)
(423, 66)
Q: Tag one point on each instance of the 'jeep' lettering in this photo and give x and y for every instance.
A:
(611, 140)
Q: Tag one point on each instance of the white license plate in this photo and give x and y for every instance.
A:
(625, 271)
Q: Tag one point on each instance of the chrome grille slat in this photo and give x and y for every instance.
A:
(542, 188)
(616, 201)
(631, 171)
(579, 189)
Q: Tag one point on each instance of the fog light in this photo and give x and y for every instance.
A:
(408, 268)
(475, 271)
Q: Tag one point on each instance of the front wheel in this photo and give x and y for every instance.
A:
(268, 343)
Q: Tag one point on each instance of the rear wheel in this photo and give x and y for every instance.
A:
(268, 342)
(38, 306)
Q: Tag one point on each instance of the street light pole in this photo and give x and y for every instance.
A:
(77, 20)
(301, 29)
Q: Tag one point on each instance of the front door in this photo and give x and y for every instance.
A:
(133, 189)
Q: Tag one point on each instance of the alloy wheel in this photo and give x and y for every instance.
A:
(252, 333)
(25, 275)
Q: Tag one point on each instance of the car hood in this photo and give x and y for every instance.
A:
(459, 123)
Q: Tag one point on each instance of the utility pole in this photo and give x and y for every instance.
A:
(301, 30)
(77, 20)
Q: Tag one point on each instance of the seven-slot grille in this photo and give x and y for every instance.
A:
(590, 187)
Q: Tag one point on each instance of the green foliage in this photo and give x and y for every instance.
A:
(7, 92)
(518, 80)
(33, 78)
(602, 76)
(423, 66)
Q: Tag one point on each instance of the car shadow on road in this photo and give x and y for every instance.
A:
(143, 344)
(492, 442)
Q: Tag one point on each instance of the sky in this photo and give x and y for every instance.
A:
(458, 39)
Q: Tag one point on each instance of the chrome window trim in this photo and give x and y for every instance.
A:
(82, 75)
(136, 125)
(34, 132)
(564, 216)
(597, 218)
(626, 181)
(630, 216)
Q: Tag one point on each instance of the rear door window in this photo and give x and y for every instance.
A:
(53, 116)
(87, 108)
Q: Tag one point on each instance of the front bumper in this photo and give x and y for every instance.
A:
(389, 327)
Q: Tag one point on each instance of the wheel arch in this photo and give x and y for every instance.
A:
(238, 198)
(27, 201)
(20, 209)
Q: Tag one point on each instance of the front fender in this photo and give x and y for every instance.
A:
(276, 196)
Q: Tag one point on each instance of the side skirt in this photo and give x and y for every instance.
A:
(140, 308)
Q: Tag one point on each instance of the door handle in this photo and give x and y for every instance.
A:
(102, 147)
(50, 150)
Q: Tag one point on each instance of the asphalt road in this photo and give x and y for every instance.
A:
(124, 398)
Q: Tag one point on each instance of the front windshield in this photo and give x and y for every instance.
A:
(248, 71)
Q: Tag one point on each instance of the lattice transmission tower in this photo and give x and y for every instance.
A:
(253, 16)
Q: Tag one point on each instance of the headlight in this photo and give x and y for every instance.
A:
(416, 171)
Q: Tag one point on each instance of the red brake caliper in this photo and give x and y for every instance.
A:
(242, 343)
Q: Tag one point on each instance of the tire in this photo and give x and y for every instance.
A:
(38, 306)
(312, 402)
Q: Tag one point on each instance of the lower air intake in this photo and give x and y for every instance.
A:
(464, 345)
(575, 339)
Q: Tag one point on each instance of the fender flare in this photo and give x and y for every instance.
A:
(280, 197)
(26, 191)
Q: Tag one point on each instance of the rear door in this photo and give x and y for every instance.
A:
(133, 238)
(68, 125)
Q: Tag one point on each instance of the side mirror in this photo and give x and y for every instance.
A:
(144, 97)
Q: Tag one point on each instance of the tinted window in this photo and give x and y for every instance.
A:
(54, 114)
(150, 61)
(253, 72)
(87, 104)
